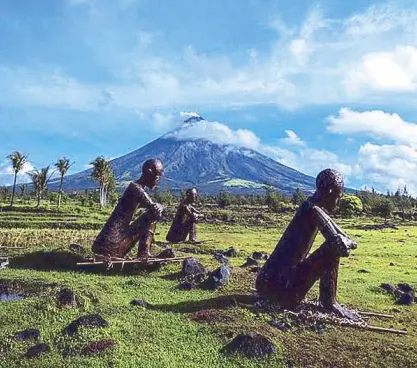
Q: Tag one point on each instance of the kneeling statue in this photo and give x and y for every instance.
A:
(120, 233)
(290, 272)
(185, 220)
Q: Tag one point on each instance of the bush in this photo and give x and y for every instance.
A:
(350, 205)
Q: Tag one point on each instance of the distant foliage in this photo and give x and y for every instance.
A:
(224, 200)
(103, 174)
(350, 205)
(298, 197)
(40, 182)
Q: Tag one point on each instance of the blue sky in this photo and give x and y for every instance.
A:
(313, 85)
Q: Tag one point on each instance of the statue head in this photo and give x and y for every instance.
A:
(191, 195)
(152, 170)
(329, 188)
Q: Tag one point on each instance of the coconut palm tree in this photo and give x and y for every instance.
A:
(63, 165)
(40, 182)
(103, 173)
(18, 161)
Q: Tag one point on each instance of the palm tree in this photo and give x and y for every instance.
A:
(18, 161)
(40, 182)
(103, 173)
(63, 165)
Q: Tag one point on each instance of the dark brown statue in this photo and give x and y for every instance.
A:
(290, 272)
(185, 220)
(120, 233)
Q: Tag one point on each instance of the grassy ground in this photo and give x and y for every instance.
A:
(189, 328)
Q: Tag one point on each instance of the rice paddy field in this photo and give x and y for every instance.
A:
(190, 328)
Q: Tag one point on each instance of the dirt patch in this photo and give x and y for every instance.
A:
(11, 289)
(210, 317)
(47, 261)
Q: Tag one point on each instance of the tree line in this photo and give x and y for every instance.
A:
(102, 172)
(362, 202)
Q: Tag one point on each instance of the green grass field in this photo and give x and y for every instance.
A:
(189, 328)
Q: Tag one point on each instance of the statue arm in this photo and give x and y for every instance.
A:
(190, 211)
(327, 226)
(331, 231)
(146, 201)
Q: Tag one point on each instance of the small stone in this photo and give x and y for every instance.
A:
(250, 346)
(37, 350)
(77, 248)
(259, 256)
(192, 267)
(66, 298)
(221, 258)
(406, 288)
(388, 288)
(29, 334)
(318, 328)
(167, 253)
(139, 303)
(186, 285)
(250, 262)
(392, 264)
(280, 325)
(231, 252)
(255, 269)
(88, 321)
(405, 299)
(396, 310)
(363, 271)
(218, 278)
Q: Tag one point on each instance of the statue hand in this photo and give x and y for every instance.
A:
(344, 245)
(158, 209)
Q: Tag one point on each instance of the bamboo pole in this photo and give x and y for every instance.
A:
(373, 314)
(132, 261)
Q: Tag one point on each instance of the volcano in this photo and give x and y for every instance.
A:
(203, 161)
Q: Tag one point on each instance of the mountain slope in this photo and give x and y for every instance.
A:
(210, 166)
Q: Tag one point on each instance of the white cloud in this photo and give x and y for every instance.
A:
(376, 123)
(304, 159)
(391, 166)
(308, 160)
(388, 71)
(322, 61)
(190, 114)
(292, 139)
(217, 133)
(7, 173)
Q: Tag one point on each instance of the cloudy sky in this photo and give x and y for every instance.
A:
(313, 85)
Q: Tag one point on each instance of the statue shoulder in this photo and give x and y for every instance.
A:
(308, 204)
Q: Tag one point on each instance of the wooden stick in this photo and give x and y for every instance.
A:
(144, 260)
(387, 330)
(372, 314)
(376, 329)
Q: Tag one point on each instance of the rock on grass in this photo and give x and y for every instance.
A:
(250, 262)
(37, 350)
(88, 321)
(218, 278)
(250, 346)
(139, 303)
(259, 256)
(231, 252)
(193, 268)
(29, 334)
(66, 298)
(166, 253)
(405, 299)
